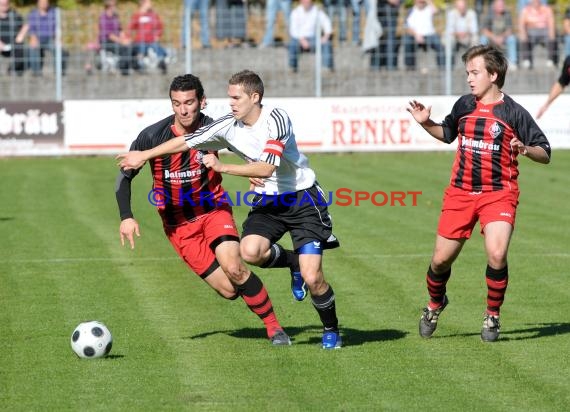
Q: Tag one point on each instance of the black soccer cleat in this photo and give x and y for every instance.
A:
(428, 321)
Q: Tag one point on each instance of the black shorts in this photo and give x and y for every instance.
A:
(304, 214)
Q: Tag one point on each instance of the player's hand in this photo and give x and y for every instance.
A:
(131, 160)
(211, 161)
(128, 228)
(518, 146)
(255, 182)
(420, 112)
(541, 111)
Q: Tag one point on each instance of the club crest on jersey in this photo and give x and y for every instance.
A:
(199, 156)
(495, 130)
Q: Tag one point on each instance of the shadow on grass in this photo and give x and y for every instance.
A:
(6, 219)
(350, 336)
(540, 330)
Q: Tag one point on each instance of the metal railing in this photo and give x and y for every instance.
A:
(88, 77)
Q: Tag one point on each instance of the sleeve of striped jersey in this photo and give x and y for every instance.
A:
(279, 132)
(529, 132)
(463, 106)
(211, 136)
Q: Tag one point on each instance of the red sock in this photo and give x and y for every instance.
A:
(256, 298)
(497, 281)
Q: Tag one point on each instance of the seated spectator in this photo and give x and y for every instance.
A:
(386, 54)
(566, 29)
(305, 18)
(113, 39)
(522, 3)
(537, 26)
(203, 6)
(497, 30)
(462, 27)
(272, 7)
(41, 27)
(231, 22)
(146, 30)
(420, 32)
(12, 34)
(337, 7)
(359, 8)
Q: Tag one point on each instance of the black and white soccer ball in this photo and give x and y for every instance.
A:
(91, 340)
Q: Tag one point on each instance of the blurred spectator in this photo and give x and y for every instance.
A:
(203, 7)
(522, 3)
(146, 30)
(113, 39)
(497, 30)
(420, 32)
(386, 54)
(12, 34)
(357, 7)
(272, 7)
(231, 21)
(41, 27)
(537, 26)
(462, 27)
(566, 30)
(337, 7)
(305, 19)
(480, 8)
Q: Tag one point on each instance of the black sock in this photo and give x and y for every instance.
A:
(281, 258)
(325, 306)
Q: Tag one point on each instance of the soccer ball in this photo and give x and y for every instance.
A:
(91, 340)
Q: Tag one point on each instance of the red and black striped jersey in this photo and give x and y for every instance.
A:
(183, 188)
(484, 160)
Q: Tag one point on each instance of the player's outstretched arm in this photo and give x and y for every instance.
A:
(253, 169)
(555, 91)
(135, 159)
(421, 114)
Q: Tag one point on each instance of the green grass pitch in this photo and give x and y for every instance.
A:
(178, 346)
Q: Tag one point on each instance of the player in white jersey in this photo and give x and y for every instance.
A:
(288, 197)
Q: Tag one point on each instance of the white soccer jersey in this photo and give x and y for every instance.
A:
(270, 139)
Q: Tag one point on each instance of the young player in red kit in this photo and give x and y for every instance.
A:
(189, 197)
(492, 130)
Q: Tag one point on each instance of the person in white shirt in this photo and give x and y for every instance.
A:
(304, 22)
(462, 27)
(421, 32)
(288, 197)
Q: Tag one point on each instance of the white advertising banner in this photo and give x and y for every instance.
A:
(332, 124)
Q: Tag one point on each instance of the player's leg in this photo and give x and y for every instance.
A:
(250, 288)
(438, 274)
(258, 247)
(322, 294)
(497, 217)
(455, 226)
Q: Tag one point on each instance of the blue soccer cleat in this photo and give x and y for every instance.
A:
(331, 339)
(298, 286)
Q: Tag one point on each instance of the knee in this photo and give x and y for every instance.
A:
(251, 253)
(315, 280)
(440, 265)
(497, 259)
(235, 271)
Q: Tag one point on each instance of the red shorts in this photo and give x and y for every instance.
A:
(192, 240)
(462, 209)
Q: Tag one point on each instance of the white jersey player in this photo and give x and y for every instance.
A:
(264, 137)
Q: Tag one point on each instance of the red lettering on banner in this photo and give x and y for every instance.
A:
(405, 135)
(361, 132)
(338, 131)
